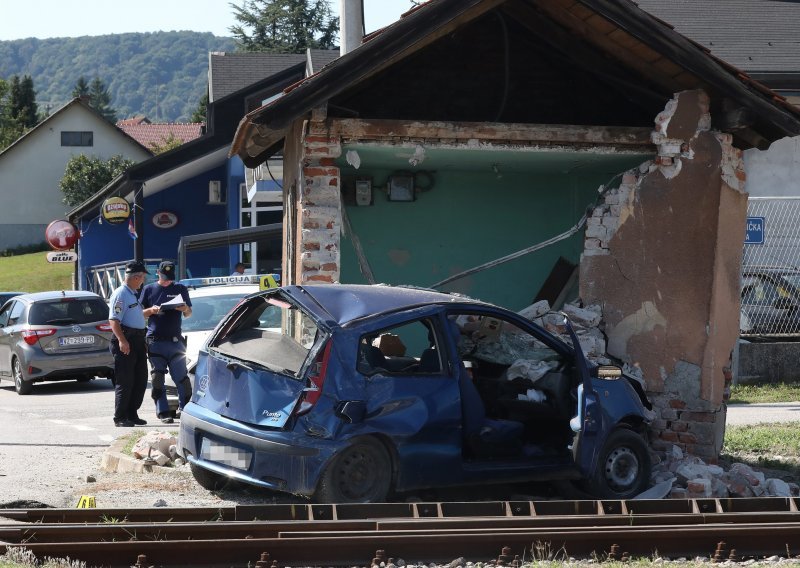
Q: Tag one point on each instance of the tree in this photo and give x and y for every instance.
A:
(199, 114)
(81, 88)
(100, 100)
(165, 144)
(10, 127)
(22, 107)
(86, 175)
(284, 26)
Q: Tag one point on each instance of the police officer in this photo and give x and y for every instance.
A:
(165, 344)
(128, 347)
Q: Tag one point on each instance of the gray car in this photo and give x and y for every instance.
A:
(52, 336)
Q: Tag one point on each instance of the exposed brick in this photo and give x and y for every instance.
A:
(311, 245)
(699, 416)
(669, 414)
(679, 427)
(674, 403)
(312, 171)
(327, 161)
(311, 139)
(658, 424)
(330, 266)
(319, 278)
(687, 438)
(668, 436)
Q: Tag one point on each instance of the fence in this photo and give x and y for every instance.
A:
(771, 269)
(102, 279)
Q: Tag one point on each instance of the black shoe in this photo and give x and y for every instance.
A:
(138, 421)
(167, 420)
(123, 424)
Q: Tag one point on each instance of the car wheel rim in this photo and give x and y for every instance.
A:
(17, 374)
(621, 468)
(355, 474)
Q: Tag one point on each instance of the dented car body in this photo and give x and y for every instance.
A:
(365, 390)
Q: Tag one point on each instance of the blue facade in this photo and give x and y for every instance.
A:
(104, 243)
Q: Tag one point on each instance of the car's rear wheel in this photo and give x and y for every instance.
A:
(623, 467)
(20, 384)
(360, 473)
(208, 479)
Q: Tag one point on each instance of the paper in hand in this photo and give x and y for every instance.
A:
(175, 302)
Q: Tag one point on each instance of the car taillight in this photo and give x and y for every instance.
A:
(104, 327)
(316, 377)
(31, 336)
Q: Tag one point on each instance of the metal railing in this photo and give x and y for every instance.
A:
(770, 286)
(103, 279)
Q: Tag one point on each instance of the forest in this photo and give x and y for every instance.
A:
(162, 75)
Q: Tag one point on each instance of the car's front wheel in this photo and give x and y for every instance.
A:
(208, 479)
(360, 473)
(20, 384)
(623, 467)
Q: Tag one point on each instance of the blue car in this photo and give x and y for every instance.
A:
(362, 391)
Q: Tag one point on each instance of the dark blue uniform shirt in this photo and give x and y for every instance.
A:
(168, 322)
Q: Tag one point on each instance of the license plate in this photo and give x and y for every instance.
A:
(225, 454)
(76, 340)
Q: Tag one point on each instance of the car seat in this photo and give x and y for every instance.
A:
(429, 361)
(370, 359)
(75, 312)
(485, 437)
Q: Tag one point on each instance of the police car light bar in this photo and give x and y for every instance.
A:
(263, 280)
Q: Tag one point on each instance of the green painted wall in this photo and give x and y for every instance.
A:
(469, 218)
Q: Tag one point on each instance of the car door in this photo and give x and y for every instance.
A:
(6, 337)
(412, 397)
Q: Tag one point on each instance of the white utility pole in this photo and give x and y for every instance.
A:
(351, 22)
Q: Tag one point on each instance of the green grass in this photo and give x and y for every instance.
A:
(771, 446)
(777, 392)
(32, 273)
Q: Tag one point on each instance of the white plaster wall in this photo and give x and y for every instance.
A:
(30, 170)
(774, 172)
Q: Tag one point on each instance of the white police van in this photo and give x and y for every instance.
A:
(212, 298)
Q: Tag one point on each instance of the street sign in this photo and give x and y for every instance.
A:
(62, 256)
(755, 231)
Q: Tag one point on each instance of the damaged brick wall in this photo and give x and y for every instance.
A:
(319, 209)
(662, 256)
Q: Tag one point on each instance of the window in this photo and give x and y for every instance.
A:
(16, 313)
(262, 256)
(406, 349)
(77, 138)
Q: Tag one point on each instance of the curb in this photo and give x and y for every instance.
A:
(115, 461)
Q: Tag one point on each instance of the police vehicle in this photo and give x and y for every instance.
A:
(212, 298)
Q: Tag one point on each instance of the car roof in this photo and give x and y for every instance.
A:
(348, 302)
(223, 290)
(55, 294)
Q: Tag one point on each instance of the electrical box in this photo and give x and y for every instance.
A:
(401, 188)
(363, 192)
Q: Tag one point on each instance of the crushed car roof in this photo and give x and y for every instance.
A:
(348, 302)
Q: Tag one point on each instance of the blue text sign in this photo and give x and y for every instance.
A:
(755, 231)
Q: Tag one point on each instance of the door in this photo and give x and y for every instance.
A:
(8, 318)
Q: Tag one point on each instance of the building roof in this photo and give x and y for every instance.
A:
(153, 134)
(77, 101)
(753, 35)
(230, 72)
(631, 55)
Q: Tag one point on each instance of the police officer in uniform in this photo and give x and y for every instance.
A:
(165, 343)
(128, 347)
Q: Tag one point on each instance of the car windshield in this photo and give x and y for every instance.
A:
(270, 332)
(793, 279)
(67, 311)
(207, 311)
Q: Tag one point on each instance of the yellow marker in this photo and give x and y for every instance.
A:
(86, 502)
(267, 281)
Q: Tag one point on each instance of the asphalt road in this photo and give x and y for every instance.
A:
(51, 439)
(745, 414)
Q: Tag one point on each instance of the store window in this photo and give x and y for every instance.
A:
(266, 208)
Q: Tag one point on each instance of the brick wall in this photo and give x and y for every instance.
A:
(319, 210)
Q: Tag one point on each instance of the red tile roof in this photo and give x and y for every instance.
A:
(156, 134)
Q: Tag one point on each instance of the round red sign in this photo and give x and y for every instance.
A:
(165, 219)
(61, 235)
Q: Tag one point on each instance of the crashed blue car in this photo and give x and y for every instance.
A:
(363, 391)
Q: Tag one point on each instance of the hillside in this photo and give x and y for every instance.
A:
(162, 75)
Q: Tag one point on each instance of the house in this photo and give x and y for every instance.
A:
(153, 135)
(32, 167)
(474, 144)
(188, 201)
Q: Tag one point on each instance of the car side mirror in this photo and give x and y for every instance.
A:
(351, 411)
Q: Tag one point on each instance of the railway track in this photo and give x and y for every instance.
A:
(358, 535)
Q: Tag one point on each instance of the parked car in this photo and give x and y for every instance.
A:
(212, 298)
(51, 336)
(365, 390)
(770, 302)
(5, 296)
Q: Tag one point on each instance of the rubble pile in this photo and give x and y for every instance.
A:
(157, 448)
(679, 476)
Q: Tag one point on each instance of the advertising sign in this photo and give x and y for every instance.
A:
(61, 256)
(115, 210)
(61, 235)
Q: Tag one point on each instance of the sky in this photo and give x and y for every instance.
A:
(75, 18)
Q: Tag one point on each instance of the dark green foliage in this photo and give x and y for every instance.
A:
(199, 114)
(10, 127)
(81, 88)
(22, 107)
(100, 100)
(284, 26)
(161, 75)
(86, 175)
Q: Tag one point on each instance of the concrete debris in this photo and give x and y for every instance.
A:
(156, 448)
(689, 477)
(535, 310)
